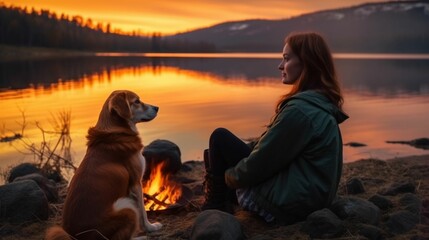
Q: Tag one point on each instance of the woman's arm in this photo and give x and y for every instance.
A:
(283, 142)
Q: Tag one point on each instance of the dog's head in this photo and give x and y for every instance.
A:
(123, 106)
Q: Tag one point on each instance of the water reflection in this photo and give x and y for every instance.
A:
(385, 77)
(375, 76)
(45, 73)
(386, 99)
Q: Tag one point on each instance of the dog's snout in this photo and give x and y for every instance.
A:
(155, 108)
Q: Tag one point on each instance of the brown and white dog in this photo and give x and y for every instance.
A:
(104, 199)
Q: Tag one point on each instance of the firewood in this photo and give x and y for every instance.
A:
(155, 200)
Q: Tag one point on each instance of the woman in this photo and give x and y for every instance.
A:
(294, 168)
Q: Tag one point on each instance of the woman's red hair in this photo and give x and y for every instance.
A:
(318, 68)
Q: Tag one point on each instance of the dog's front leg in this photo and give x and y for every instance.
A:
(143, 220)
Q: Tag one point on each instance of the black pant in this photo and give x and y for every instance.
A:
(225, 151)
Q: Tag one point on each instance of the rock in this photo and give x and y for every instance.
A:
(401, 222)
(371, 232)
(260, 237)
(399, 187)
(11, 138)
(22, 202)
(382, 202)
(164, 151)
(22, 170)
(411, 203)
(354, 186)
(355, 144)
(356, 210)
(323, 224)
(215, 224)
(48, 187)
(422, 143)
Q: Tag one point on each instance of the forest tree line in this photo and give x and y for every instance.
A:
(43, 28)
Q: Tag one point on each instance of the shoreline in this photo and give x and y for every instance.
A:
(415, 159)
(19, 53)
(376, 175)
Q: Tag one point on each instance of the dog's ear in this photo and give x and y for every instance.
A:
(119, 104)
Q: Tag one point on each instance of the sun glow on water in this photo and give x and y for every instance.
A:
(198, 95)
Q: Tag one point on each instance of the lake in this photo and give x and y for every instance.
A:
(386, 97)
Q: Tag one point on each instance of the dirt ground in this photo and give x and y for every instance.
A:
(177, 222)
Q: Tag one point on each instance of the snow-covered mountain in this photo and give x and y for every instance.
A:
(395, 26)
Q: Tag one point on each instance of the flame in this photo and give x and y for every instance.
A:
(160, 190)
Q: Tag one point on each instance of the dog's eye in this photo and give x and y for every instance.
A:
(137, 101)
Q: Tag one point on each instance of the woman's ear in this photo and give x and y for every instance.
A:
(120, 105)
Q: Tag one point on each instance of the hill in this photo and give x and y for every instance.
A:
(388, 27)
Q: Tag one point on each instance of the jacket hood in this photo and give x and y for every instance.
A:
(322, 102)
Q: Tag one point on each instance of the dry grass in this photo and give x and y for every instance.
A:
(50, 157)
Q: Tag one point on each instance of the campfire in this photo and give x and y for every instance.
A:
(159, 191)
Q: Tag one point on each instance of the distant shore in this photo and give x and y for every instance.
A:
(14, 53)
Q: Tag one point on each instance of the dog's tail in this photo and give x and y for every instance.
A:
(56, 233)
(123, 223)
(125, 202)
(124, 205)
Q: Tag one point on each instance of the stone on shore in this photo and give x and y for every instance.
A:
(215, 224)
(401, 222)
(323, 224)
(162, 151)
(47, 186)
(22, 170)
(398, 187)
(23, 202)
(357, 210)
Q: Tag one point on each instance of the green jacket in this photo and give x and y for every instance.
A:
(295, 167)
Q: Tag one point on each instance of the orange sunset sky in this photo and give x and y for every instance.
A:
(172, 16)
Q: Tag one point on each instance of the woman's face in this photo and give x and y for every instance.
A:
(290, 66)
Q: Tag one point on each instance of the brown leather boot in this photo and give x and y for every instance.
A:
(217, 194)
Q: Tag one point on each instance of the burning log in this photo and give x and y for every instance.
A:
(155, 201)
(159, 191)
